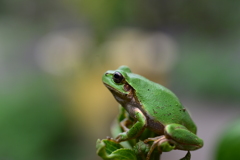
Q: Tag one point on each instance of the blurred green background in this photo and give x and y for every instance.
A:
(53, 53)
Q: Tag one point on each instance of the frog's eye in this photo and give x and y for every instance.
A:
(117, 77)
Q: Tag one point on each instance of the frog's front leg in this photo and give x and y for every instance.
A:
(123, 119)
(136, 129)
(175, 136)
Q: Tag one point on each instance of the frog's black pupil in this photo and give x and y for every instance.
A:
(117, 77)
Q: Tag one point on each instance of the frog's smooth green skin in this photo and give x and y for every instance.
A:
(154, 107)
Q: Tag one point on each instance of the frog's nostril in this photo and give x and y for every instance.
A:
(106, 73)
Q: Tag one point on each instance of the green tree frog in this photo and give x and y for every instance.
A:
(152, 106)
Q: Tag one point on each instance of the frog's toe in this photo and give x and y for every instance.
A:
(121, 137)
(117, 139)
(161, 143)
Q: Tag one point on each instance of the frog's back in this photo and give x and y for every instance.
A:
(161, 104)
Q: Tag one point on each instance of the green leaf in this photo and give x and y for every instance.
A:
(187, 156)
(108, 149)
(123, 154)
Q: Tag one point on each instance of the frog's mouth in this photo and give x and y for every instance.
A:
(113, 90)
(119, 96)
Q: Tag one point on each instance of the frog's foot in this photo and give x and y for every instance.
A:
(154, 145)
(162, 143)
(183, 138)
(121, 137)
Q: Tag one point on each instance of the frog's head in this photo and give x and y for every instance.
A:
(116, 82)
